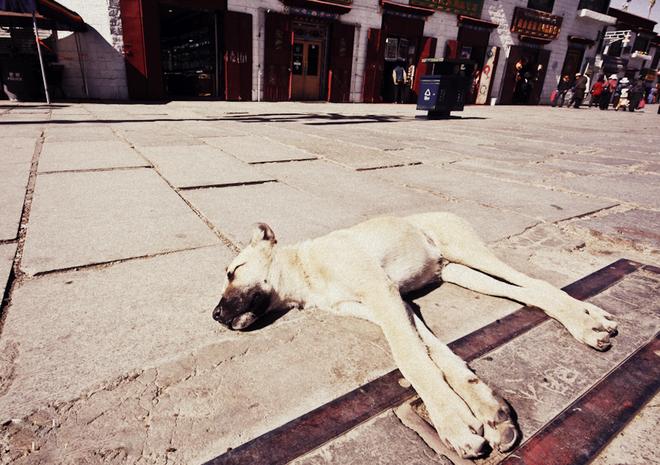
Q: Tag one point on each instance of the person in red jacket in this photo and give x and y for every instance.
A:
(597, 91)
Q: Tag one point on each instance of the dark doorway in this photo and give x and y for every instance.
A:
(189, 53)
(525, 74)
(573, 61)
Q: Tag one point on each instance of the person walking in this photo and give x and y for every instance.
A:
(399, 78)
(597, 91)
(579, 89)
(636, 95)
(562, 88)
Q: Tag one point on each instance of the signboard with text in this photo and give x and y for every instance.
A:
(535, 23)
(460, 7)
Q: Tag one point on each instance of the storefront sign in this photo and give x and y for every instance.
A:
(460, 7)
(534, 23)
(292, 10)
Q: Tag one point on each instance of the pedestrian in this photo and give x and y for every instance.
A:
(562, 88)
(597, 91)
(621, 96)
(399, 78)
(636, 95)
(579, 89)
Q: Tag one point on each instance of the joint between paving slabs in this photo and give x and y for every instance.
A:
(16, 275)
(223, 238)
(109, 263)
(98, 170)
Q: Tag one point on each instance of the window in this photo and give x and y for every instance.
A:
(541, 5)
(641, 44)
(391, 49)
(600, 6)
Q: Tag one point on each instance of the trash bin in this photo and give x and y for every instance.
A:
(444, 88)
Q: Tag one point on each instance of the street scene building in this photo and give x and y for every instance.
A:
(329, 50)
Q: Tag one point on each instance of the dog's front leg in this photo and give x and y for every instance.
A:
(452, 418)
(493, 412)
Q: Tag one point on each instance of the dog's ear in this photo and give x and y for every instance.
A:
(263, 232)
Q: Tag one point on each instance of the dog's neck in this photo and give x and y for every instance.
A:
(287, 276)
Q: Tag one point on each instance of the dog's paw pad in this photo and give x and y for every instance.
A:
(474, 447)
(599, 340)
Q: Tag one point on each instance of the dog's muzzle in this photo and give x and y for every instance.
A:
(238, 313)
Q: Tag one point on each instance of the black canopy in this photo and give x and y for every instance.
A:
(49, 15)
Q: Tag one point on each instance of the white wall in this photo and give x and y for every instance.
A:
(100, 49)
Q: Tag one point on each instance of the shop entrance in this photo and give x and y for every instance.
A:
(308, 60)
(525, 75)
(305, 69)
(189, 52)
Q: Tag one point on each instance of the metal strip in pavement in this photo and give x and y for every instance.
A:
(315, 428)
(577, 434)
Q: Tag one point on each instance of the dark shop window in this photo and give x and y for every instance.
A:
(600, 6)
(541, 5)
(641, 44)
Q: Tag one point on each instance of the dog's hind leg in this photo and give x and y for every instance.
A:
(499, 428)
(586, 322)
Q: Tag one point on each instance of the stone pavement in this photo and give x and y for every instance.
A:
(118, 220)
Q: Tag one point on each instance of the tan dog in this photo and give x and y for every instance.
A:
(364, 270)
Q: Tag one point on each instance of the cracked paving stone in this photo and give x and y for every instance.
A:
(109, 215)
(638, 227)
(536, 202)
(74, 330)
(87, 155)
(202, 166)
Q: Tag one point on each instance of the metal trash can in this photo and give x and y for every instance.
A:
(445, 87)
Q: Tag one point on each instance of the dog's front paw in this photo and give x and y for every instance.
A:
(591, 325)
(501, 431)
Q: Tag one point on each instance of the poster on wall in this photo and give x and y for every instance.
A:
(486, 79)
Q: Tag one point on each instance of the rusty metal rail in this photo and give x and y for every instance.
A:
(315, 428)
(579, 432)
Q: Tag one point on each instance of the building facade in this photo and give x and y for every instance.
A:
(328, 50)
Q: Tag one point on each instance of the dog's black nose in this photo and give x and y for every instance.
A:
(217, 314)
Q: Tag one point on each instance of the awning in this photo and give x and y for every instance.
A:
(462, 19)
(406, 8)
(49, 15)
(331, 6)
(581, 40)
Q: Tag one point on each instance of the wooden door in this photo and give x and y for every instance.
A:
(306, 66)
(237, 58)
(373, 70)
(277, 60)
(341, 62)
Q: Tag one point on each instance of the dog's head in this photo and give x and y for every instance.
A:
(247, 293)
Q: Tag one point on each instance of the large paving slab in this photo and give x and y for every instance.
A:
(104, 323)
(540, 203)
(368, 196)
(15, 161)
(76, 132)
(201, 165)
(636, 188)
(640, 228)
(256, 149)
(294, 215)
(109, 215)
(348, 154)
(88, 155)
